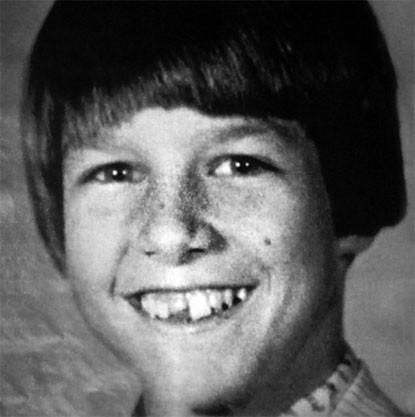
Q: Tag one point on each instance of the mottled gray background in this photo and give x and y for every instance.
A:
(52, 366)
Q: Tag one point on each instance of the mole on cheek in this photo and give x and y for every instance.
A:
(267, 241)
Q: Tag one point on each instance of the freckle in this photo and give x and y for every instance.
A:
(267, 241)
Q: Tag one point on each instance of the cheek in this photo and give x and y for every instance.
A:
(96, 239)
(270, 222)
(289, 231)
(95, 235)
(253, 215)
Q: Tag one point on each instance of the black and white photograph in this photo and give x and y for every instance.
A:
(207, 208)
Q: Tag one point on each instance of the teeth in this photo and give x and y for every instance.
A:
(228, 297)
(177, 303)
(191, 305)
(162, 309)
(198, 305)
(215, 299)
(148, 304)
(242, 294)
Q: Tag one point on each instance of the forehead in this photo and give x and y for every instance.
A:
(158, 125)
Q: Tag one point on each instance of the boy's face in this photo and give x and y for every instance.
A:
(201, 249)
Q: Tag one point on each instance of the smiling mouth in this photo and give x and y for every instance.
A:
(189, 306)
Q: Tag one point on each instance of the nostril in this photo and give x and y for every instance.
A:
(191, 254)
(197, 249)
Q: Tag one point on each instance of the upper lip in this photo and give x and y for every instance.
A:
(214, 286)
(182, 279)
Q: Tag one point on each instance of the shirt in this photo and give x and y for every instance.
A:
(349, 392)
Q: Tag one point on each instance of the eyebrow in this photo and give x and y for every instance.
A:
(230, 133)
(284, 132)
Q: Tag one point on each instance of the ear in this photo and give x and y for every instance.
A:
(349, 247)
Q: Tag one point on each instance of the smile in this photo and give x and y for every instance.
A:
(189, 306)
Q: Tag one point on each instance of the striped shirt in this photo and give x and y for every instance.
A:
(349, 392)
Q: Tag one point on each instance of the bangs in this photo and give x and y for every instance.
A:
(222, 74)
(221, 58)
(216, 87)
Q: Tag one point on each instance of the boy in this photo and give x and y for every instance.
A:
(204, 174)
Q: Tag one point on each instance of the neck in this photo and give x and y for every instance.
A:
(309, 368)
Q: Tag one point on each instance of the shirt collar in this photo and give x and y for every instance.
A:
(323, 401)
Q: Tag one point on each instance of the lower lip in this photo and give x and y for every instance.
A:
(215, 321)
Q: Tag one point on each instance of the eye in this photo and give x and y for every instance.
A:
(242, 165)
(116, 173)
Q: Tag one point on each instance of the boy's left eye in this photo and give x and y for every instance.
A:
(241, 165)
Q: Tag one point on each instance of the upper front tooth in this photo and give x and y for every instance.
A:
(148, 302)
(228, 297)
(177, 303)
(215, 299)
(198, 305)
(242, 294)
(162, 309)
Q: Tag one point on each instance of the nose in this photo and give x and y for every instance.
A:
(175, 231)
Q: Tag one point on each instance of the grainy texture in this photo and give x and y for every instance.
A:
(51, 365)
